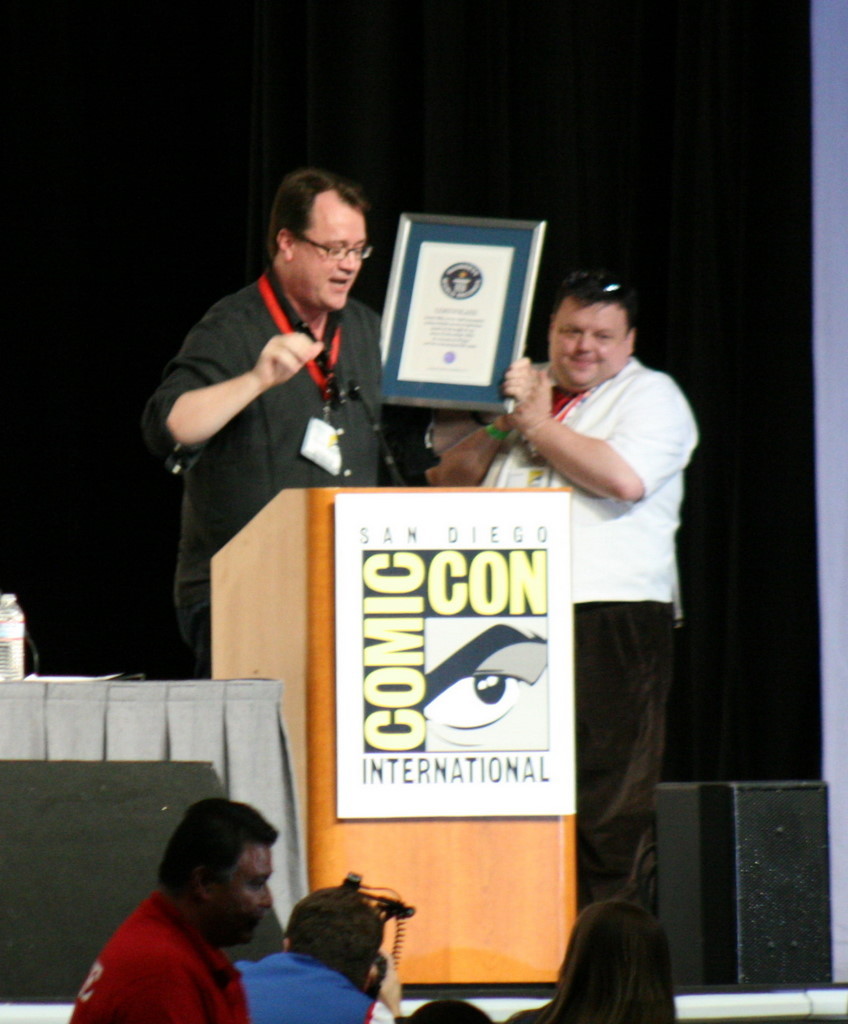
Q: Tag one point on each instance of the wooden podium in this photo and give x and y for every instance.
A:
(495, 897)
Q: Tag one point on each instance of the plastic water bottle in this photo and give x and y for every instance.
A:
(12, 629)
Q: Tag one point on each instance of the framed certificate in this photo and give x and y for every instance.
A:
(457, 308)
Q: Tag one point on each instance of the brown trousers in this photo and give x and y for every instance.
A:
(624, 658)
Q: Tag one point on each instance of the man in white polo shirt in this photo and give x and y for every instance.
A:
(597, 420)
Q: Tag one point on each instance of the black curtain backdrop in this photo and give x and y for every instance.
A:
(667, 140)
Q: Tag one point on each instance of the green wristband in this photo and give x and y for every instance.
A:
(498, 435)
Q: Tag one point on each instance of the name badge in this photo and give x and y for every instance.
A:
(321, 446)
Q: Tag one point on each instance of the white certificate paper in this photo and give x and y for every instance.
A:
(455, 314)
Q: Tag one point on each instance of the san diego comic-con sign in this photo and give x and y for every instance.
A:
(454, 668)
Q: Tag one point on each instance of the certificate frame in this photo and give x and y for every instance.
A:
(465, 286)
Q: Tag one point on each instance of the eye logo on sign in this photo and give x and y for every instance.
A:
(481, 685)
(462, 280)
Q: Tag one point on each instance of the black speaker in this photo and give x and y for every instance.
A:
(80, 845)
(743, 882)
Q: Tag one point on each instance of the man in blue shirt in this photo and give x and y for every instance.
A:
(331, 969)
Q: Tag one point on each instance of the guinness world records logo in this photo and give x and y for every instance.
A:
(462, 280)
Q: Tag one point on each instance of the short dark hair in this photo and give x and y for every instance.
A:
(292, 206)
(449, 1011)
(591, 287)
(212, 834)
(338, 927)
(617, 970)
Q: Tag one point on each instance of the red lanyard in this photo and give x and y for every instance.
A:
(322, 379)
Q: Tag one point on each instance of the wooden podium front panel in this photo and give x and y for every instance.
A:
(494, 897)
(260, 582)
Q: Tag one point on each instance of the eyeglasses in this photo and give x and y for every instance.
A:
(340, 252)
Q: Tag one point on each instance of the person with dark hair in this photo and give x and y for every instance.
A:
(164, 963)
(449, 1011)
(620, 435)
(292, 206)
(276, 387)
(616, 970)
(331, 968)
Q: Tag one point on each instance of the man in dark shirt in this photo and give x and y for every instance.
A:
(276, 387)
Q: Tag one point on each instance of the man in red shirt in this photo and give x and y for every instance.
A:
(164, 964)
